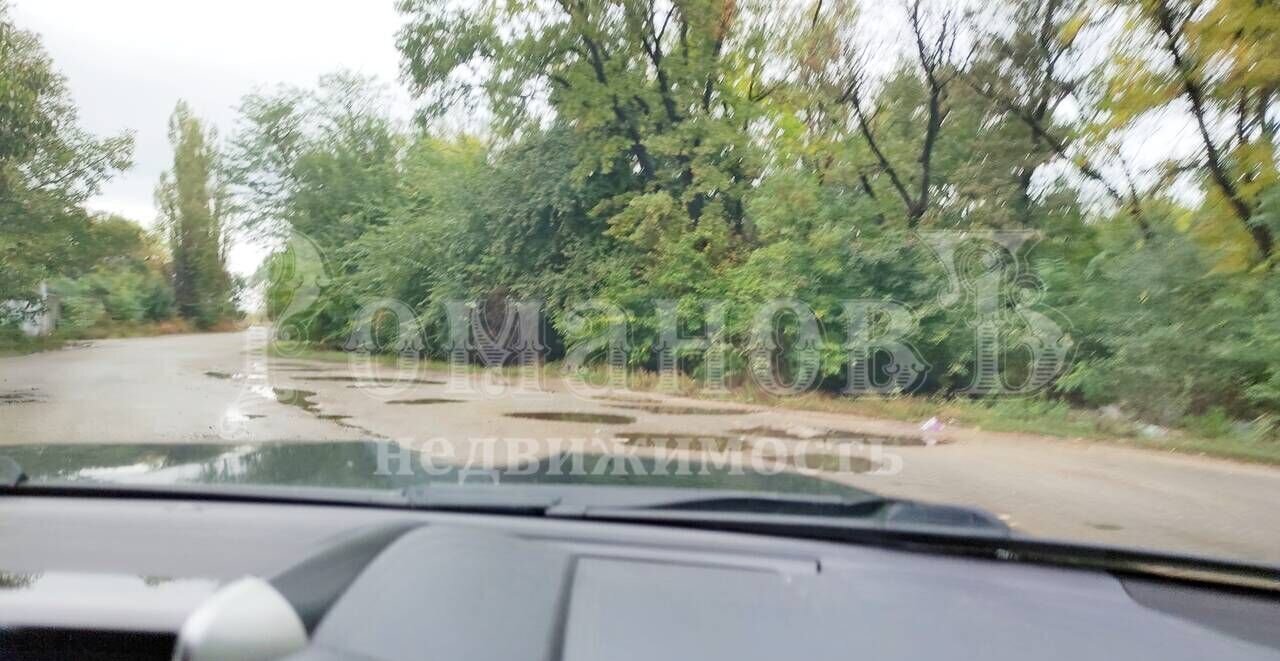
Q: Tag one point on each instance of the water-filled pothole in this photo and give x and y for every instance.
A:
(302, 399)
(684, 442)
(832, 436)
(589, 418)
(424, 400)
(341, 420)
(299, 398)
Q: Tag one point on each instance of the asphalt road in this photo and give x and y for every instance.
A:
(223, 388)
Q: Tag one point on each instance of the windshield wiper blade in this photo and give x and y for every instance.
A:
(676, 506)
(479, 499)
(766, 504)
(11, 473)
(804, 516)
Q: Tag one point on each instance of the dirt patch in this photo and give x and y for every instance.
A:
(691, 443)
(587, 418)
(424, 400)
(832, 436)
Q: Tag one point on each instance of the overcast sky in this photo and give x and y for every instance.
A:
(129, 61)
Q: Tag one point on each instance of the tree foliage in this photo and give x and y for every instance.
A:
(193, 202)
(48, 167)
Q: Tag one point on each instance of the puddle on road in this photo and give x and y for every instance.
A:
(341, 421)
(299, 398)
(302, 399)
(358, 379)
(589, 418)
(662, 409)
(292, 397)
(686, 442)
(424, 400)
(832, 436)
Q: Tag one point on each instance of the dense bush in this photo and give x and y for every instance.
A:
(758, 151)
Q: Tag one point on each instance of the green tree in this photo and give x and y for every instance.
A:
(48, 167)
(193, 204)
(324, 165)
(1219, 63)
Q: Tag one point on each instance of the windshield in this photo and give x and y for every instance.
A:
(1009, 255)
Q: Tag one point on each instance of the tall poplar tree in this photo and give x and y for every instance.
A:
(192, 202)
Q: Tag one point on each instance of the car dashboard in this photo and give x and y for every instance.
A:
(88, 577)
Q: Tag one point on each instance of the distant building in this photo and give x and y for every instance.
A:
(37, 319)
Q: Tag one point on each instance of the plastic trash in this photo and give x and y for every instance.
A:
(930, 429)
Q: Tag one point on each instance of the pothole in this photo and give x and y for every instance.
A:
(341, 420)
(299, 398)
(663, 409)
(358, 379)
(29, 396)
(424, 400)
(1107, 527)
(302, 399)
(833, 463)
(588, 418)
(627, 400)
(832, 436)
(684, 442)
(224, 375)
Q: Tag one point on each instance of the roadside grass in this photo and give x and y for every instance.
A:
(21, 345)
(13, 343)
(131, 329)
(1213, 434)
(330, 355)
(1255, 442)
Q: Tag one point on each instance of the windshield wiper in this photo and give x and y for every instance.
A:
(786, 513)
(826, 517)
